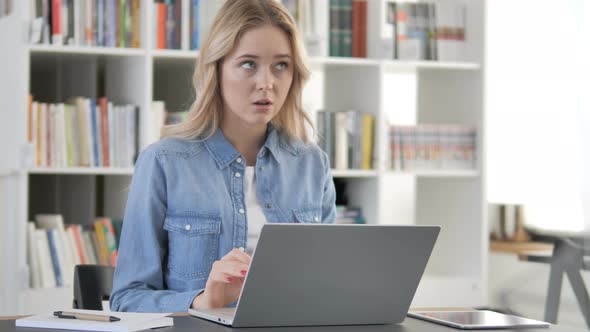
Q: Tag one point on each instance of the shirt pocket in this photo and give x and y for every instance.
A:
(193, 242)
(308, 215)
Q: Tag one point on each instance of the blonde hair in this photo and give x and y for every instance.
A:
(232, 21)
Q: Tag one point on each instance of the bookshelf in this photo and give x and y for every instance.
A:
(395, 92)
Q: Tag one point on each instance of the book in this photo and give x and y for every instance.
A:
(129, 321)
(33, 257)
(367, 141)
(341, 140)
(194, 25)
(45, 260)
(56, 260)
(56, 29)
(54, 225)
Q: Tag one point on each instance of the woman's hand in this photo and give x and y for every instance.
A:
(225, 281)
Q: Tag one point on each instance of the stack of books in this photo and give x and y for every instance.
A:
(425, 30)
(55, 248)
(349, 215)
(347, 137)
(312, 22)
(83, 133)
(348, 28)
(108, 23)
(433, 147)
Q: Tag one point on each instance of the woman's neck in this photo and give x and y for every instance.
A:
(247, 140)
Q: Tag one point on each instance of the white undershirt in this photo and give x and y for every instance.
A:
(254, 213)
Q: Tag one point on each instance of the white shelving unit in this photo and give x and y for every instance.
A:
(396, 92)
(82, 170)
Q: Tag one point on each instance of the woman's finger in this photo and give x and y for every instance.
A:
(230, 268)
(239, 255)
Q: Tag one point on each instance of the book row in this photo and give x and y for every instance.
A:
(347, 137)
(348, 28)
(349, 215)
(109, 23)
(168, 18)
(426, 30)
(433, 147)
(54, 249)
(83, 133)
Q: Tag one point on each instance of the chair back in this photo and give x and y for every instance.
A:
(92, 285)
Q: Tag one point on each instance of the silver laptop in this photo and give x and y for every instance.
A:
(309, 275)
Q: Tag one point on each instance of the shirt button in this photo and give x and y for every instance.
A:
(187, 227)
(238, 175)
(260, 169)
(316, 219)
(239, 160)
(268, 205)
(241, 211)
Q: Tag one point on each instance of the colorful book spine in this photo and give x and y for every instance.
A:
(195, 24)
(56, 25)
(345, 28)
(110, 241)
(101, 244)
(334, 34)
(93, 119)
(367, 141)
(104, 129)
(76, 229)
(123, 23)
(161, 25)
(52, 241)
(135, 23)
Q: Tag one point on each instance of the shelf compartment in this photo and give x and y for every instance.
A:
(437, 173)
(86, 50)
(354, 173)
(393, 65)
(174, 54)
(343, 61)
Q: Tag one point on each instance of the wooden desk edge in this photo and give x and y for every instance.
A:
(519, 248)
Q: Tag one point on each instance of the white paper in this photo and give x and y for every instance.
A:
(129, 321)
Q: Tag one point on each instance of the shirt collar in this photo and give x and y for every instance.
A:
(224, 153)
(221, 149)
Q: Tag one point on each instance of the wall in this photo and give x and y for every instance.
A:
(536, 74)
(538, 135)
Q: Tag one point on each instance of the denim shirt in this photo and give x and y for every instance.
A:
(186, 209)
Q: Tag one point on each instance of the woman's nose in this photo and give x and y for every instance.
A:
(264, 80)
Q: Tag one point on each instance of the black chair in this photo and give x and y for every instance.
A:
(92, 285)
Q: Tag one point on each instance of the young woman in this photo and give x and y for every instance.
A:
(242, 158)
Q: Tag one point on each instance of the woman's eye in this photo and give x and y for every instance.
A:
(247, 64)
(282, 66)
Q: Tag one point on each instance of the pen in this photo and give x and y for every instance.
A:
(82, 316)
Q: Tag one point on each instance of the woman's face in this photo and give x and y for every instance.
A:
(256, 77)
